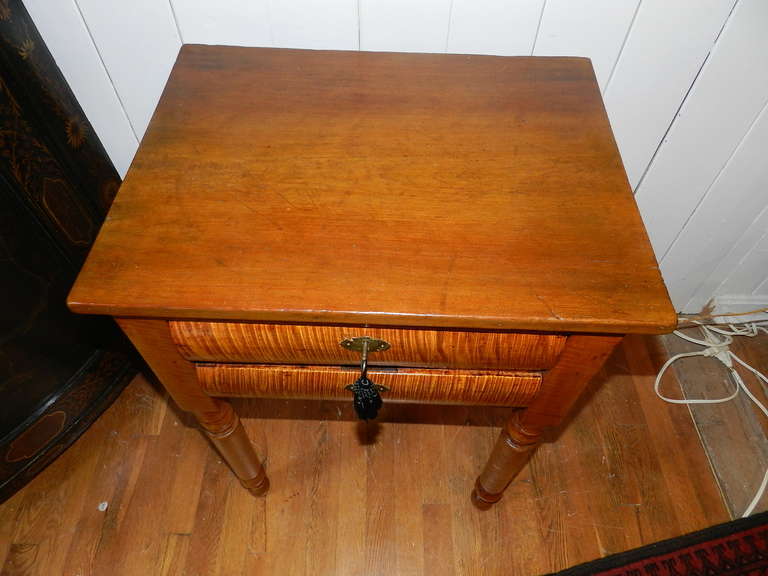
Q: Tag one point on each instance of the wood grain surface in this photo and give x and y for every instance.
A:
(562, 386)
(313, 344)
(153, 341)
(732, 432)
(218, 420)
(470, 387)
(386, 189)
(350, 499)
(560, 389)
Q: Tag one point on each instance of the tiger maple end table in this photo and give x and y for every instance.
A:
(462, 221)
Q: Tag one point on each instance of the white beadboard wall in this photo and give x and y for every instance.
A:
(685, 84)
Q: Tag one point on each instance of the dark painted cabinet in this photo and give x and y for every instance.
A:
(58, 371)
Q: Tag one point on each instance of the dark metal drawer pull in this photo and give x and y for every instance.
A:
(366, 398)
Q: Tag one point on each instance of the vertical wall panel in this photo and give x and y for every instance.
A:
(331, 24)
(665, 48)
(734, 199)
(727, 96)
(505, 27)
(733, 272)
(233, 22)
(762, 289)
(592, 28)
(751, 271)
(404, 25)
(138, 53)
(70, 44)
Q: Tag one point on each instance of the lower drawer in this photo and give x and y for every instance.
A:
(468, 387)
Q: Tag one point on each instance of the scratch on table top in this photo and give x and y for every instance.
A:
(446, 282)
(287, 201)
(551, 311)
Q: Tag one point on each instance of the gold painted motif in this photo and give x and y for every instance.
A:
(76, 131)
(26, 48)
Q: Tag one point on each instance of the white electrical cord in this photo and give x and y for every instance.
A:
(717, 342)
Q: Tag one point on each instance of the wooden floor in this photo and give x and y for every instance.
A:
(142, 492)
(733, 433)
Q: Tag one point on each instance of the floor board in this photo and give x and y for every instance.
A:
(349, 498)
(733, 433)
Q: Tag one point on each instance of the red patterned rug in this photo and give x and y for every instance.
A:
(737, 548)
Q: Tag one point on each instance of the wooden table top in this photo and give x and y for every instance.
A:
(378, 188)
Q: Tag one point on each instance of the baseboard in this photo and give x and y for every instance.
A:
(738, 304)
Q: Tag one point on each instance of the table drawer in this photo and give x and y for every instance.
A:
(438, 386)
(317, 344)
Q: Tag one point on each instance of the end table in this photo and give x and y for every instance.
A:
(367, 226)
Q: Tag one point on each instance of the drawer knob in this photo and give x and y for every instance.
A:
(366, 395)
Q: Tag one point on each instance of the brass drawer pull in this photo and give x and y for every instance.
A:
(366, 398)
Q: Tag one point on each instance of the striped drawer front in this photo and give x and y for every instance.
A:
(319, 344)
(436, 386)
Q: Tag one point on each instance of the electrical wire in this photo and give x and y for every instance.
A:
(731, 315)
(717, 343)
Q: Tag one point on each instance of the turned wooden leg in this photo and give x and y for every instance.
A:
(227, 433)
(153, 340)
(509, 455)
(560, 388)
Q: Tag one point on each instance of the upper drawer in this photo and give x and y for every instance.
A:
(317, 344)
